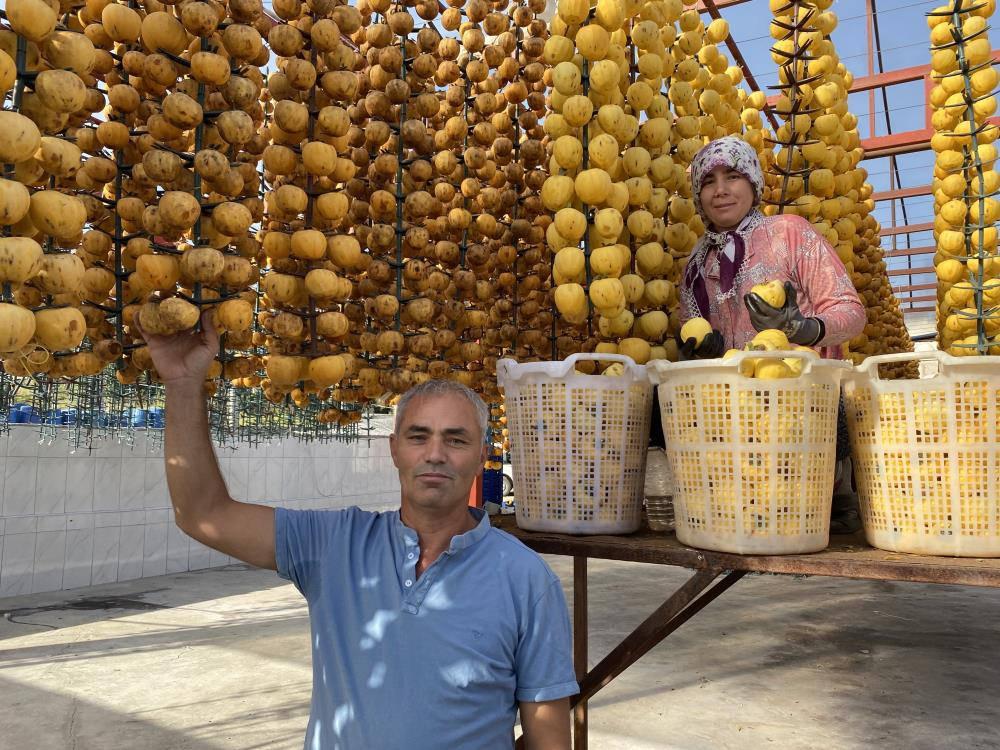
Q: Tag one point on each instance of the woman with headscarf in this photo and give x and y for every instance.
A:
(741, 248)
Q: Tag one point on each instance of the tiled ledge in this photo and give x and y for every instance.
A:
(78, 518)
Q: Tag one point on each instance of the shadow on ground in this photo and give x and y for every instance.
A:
(798, 663)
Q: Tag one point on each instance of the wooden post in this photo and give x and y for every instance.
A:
(580, 635)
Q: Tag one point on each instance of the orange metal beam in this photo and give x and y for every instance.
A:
(909, 251)
(910, 271)
(902, 143)
(700, 7)
(897, 143)
(890, 78)
(909, 141)
(912, 192)
(895, 77)
(907, 229)
(924, 298)
(914, 288)
(918, 308)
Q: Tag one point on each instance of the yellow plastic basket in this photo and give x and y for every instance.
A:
(753, 460)
(578, 444)
(927, 455)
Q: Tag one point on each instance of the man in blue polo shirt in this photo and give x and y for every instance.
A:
(430, 629)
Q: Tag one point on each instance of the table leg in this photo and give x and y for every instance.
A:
(674, 612)
(580, 636)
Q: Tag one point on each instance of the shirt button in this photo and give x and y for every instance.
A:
(409, 583)
(409, 556)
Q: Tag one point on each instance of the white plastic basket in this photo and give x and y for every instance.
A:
(577, 443)
(753, 460)
(927, 454)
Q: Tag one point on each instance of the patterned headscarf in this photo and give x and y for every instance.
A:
(739, 155)
(731, 152)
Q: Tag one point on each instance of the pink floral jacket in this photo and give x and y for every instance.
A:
(786, 248)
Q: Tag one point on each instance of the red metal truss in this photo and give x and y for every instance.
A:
(902, 252)
(910, 271)
(921, 298)
(911, 140)
(915, 288)
(898, 193)
(703, 5)
(890, 78)
(908, 141)
(908, 229)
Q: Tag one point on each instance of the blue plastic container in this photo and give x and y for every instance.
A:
(492, 485)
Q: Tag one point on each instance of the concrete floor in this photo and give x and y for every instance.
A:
(220, 659)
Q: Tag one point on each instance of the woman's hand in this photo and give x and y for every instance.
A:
(711, 347)
(186, 356)
(788, 319)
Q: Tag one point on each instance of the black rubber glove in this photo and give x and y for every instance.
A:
(712, 347)
(789, 319)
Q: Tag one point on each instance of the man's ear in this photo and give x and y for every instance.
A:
(392, 449)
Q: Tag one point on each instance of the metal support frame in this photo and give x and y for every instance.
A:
(910, 251)
(846, 557)
(703, 5)
(899, 193)
(697, 593)
(908, 229)
(910, 271)
(700, 590)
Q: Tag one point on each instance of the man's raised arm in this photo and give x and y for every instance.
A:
(203, 507)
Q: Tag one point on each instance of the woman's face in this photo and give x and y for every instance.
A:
(726, 197)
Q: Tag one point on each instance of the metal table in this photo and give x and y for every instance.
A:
(846, 557)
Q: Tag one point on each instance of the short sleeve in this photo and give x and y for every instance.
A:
(544, 662)
(301, 538)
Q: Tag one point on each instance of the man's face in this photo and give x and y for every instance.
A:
(438, 450)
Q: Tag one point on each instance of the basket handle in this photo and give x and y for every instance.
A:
(870, 365)
(946, 362)
(656, 368)
(810, 357)
(602, 356)
(637, 371)
(628, 362)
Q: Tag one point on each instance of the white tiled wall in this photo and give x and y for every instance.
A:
(80, 518)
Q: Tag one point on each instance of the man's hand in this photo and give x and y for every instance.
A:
(203, 507)
(712, 347)
(788, 319)
(187, 356)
